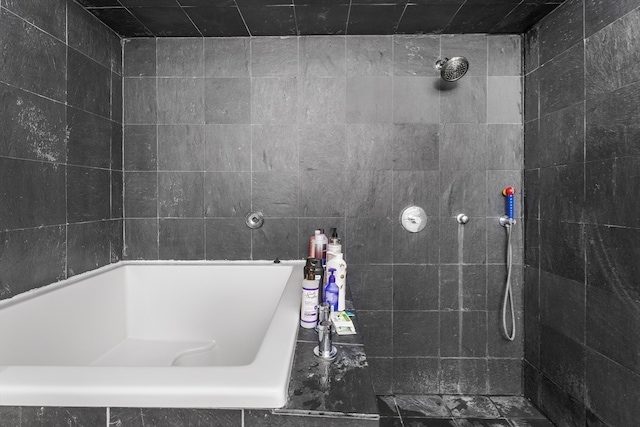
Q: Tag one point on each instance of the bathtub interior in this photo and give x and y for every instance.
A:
(147, 315)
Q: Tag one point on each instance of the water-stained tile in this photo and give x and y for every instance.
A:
(387, 406)
(33, 126)
(471, 406)
(516, 407)
(531, 422)
(478, 422)
(431, 406)
(429, 422)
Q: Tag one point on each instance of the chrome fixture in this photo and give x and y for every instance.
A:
(452, 69)
(325, 349)
(413, 219)
(462, 219)
(254, 220)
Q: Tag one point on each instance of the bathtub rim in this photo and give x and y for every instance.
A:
(264, 383)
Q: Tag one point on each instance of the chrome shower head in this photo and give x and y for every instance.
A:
(452, 69)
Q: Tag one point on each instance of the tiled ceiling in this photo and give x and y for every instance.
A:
(232, 18)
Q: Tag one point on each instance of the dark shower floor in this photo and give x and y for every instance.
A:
(458, 411)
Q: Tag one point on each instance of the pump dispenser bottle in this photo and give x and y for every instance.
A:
(334, 247)
(338, 264)
(331, 291)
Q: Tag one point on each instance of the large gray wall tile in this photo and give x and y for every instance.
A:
(180, 57)
(616, 47)
(561, 30)
(226, 57)
(33, 193)
(369, 56)
(323, 56)
(33, 127)
(43, 70)
(369, 100)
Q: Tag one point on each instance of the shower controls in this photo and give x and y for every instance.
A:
(509, 217)
(508, 221)
(254, 220)
(413, 219)
(462, 219)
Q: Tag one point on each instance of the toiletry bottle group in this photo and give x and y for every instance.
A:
(324, 277)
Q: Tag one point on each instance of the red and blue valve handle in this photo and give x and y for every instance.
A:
(509, 193)
(509, 217)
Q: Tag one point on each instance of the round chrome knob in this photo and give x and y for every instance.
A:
(254, 220)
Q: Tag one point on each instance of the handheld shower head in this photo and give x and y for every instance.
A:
(452, 69)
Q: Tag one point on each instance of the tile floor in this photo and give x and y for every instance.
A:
(458, 411)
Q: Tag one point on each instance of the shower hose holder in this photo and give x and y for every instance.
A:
(509, 217)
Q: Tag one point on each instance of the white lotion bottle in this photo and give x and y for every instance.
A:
(309, 304)
(339, 264)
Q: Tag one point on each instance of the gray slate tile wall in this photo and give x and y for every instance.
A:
(60, 144)
(342, 132)
(582, 158)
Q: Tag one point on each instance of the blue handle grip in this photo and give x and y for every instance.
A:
(511, 206)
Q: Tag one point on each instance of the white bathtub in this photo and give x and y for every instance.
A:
(154, 334)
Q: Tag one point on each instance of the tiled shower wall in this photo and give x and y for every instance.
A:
(582, 157)
(342, 132)
(60, 144)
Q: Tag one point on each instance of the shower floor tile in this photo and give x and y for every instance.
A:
(458, 411)
(515, 407)
(471, 407)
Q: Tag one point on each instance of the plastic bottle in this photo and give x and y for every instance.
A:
(309, 305)
(338, 264)
(334, 246)
(312, 245)
(331, 291)
(314, 266)
(320, 242)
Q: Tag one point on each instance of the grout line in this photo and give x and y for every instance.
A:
(66, 170)
(157, 150)
(250, 66)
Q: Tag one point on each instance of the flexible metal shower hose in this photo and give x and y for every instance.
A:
(508, 296)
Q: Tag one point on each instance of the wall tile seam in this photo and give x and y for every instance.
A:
(108, 68)
(92, 113)
(588, 348)
(35, 227)
(558, 57)
(540, 117)
(75, 165)
(582, 400)
(35, 93)
(585, 36)
(46, 162)
(38, 28)
(593, 97)
(622, 227)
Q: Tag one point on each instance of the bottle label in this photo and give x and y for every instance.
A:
(332, 300)
(309, 310)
